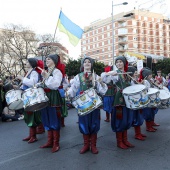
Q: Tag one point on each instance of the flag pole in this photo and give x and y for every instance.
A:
(56, 26)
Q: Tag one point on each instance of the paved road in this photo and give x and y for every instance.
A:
(151, 154)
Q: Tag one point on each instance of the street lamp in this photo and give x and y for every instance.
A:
(113, 48)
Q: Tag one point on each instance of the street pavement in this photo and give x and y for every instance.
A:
(151, 154)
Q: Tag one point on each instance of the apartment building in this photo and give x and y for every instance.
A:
(51, 48)
(135, 31)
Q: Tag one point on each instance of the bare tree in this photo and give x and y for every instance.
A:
(17, 43)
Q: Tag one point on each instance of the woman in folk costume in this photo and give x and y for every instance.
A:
(62, 88)
(51, 115)
(89, 124)
(149, 113)
(121, 117)
(138, 118)
(33, 76)
(108, 98)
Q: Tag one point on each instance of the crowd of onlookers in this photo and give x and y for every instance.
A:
(6, 114)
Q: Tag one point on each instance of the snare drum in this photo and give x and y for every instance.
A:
(14, 99)
(87, 102)
(165, 99)
(153, 94)
(136, 96)
(34, 99)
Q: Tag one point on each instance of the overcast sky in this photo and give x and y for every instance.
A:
(42, 15)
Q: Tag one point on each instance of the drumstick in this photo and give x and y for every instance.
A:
(125, 73)
(40, 68)
(119, 73)
(132, 78)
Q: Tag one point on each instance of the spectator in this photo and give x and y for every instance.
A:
(2, 97)
(10, 115)
(160, 80)
(167, 82)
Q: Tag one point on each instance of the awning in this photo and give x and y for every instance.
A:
(137, 55)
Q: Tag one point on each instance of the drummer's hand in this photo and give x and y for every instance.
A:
(44, 73)
(15, 87)
(19, 77)
(113, 73)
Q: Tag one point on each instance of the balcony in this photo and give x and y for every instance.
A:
(122, 41)
(122, 25)
(122, 49)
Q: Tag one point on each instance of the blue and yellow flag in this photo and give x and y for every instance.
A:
(73, 31)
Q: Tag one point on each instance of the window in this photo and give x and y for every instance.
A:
(135, 45)
(108, 27)
(134, 30)
(103, 43)
(84, 48)
(108, 34)
(134, 22)
(108, 41)
(145, 18)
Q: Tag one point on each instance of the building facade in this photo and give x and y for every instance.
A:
(50, 48)
(135, 31)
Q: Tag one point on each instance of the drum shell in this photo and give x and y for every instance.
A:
(165, 98)
(87, 102)
(14, 99)
(137, 97)
(153, 94)
(34, 99)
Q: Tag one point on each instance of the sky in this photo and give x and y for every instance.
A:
(41, 16)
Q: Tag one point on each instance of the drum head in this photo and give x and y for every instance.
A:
(134, 89)
(152, 91)
(164, 95)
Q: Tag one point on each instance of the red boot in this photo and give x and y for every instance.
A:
(40, 129)
(86, 146)
(56, 138)
(155, 124)
(138, 134)
(149, 127)
(33, 135)
(93, 144)
(119, 137)
(29, 137)
(107, 117)
(49, 143)
(62, 122)
(125, 140)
